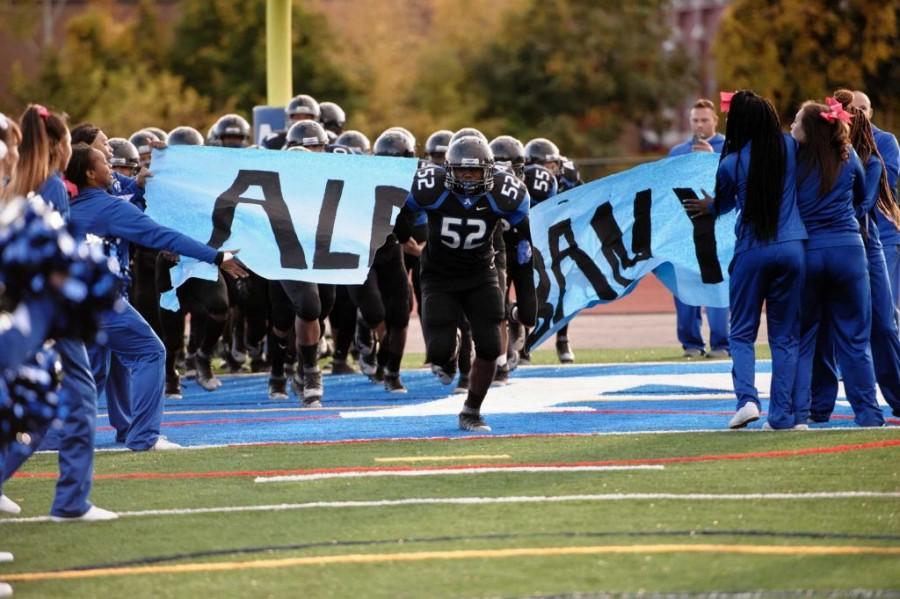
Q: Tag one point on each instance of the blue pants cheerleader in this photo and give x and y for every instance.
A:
(885, 344)
(76, 439)
(689, 320)
(113, 378)
(837, 293)
(773, 274)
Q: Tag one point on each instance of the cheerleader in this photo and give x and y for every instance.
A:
(830, 195)
(756, 175)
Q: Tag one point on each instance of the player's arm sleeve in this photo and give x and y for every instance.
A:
(726, 190)
(410, 224)
(521, 271)
(129, 223)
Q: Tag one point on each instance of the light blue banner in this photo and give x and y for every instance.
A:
(293, 215)
(595, 242)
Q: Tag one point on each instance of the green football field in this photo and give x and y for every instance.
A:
(815, 511)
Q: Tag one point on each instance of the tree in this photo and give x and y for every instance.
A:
(219, 48)
(104, 72)
(579, 71)
(795, 51)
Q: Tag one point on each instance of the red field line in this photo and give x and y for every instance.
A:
(632, 462)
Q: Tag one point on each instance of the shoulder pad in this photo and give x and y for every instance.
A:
(428, 185)
(540, 182)
(509, 192)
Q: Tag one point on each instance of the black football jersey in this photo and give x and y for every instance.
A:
(540, 182)
(460, 228)
(569, 177)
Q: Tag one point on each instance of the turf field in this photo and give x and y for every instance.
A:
(599, 479)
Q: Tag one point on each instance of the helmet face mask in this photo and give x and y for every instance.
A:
(470, 167)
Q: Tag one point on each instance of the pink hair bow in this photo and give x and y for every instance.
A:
(42, 111)
(837, 112)
(725, 101)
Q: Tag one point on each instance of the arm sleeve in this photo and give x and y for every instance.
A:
(128, 222)
(890, 153)
(521, 271)
(726, 190)
(872, 183)
(859, 185)
(131, 188)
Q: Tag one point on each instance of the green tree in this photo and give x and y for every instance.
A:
(219, 47)
(104, 71)
(580, 71)
(793, 51)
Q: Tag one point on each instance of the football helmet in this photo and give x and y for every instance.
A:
(394, 142)
(332, 117)
(509, 150)
(303, 107)
(308, 134)
(185, 136)
(436, 145)
(355, 139)
(541, 151)
(468, 132)
(124, 154)
(232, 131)
(470, 167)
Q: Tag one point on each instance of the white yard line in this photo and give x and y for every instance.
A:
(446, 472)
(495, 500)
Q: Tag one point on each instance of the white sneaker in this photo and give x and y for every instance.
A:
(796, 427)
(5, 556)
(5, 590)
(749, 413)
(94, 514)
(8, 506)
(163, 444)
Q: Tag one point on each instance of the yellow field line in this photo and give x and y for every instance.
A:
(444, 458)
(372, 558)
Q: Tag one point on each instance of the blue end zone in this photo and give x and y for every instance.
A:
(553, 400)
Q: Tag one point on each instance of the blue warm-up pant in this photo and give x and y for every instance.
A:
(139, 350)
(837, 292)
(892, 257)
(773, 274)
(113, 378)
(689, 320)
(885, 343)
(78, 396)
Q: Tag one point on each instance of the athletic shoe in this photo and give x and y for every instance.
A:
(501, 377)
(693, 352)
(311, 403)
(393, 384)
(563, 351)
(378, 377)
(819, 418)
(5, 590)
(462, 385)
(238, 352)
(796, 427)
(473, 423)
(339, 367)
(8, 506)
(190, 366)
(368, 362)
(445, 374)
(163, 444)
(297, 383)
(94, 514)
(233, 365)
(278, 388)
(524, 358)
(5, 557)
(312, 384)
(718, 354)
(747, 414)
(205, 376)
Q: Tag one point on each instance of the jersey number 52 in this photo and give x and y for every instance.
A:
(467, 232)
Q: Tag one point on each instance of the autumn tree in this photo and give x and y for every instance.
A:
(793, 51)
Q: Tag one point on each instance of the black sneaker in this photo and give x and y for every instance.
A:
(393, 384)
(462, 385)
(278, 388)
(378, 377)
(563, 351)
(312, 385)
(341, 367)
(501, 377)
(473, 423)
(173, 387)
(205, 376)
(445, 374)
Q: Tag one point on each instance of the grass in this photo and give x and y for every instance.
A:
(419, 528)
